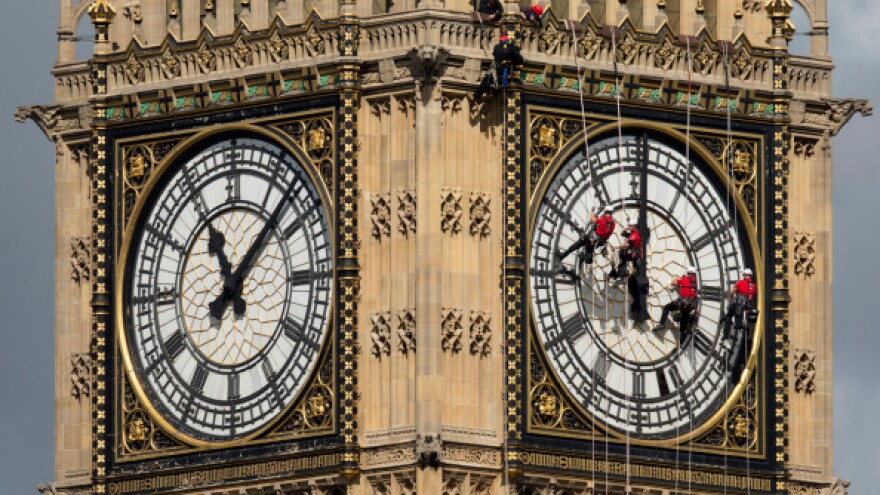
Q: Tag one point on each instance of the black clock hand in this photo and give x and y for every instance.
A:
(232, 284)
(216, 243)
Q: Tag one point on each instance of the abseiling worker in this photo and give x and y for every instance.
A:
(741, 295)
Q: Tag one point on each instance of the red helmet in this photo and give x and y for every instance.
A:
(503, 37)
(538, 10)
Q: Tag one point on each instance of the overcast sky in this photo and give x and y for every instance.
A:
(27, 41)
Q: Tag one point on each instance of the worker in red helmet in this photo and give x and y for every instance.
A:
(533, 13)
(686, 304)
(506, 57)
(740, 296)
(629, 252)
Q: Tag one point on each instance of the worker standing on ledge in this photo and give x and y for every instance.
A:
(506, 57)
(490, 10)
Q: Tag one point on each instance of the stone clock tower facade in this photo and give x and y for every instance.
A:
(294, 256)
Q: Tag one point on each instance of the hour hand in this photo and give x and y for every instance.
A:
(216, 243)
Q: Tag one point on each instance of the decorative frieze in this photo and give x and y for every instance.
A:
(451, 330)
(80, 259)
(450, 210)
(380, 215)
(388, 457)
(380, 334)
(80, 376)
(406, 212)
(804, 371)
(804, 254)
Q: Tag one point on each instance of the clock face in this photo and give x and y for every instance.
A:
(228, 286)
(651, 384)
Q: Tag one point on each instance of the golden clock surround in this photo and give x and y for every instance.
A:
(278, 138)
(756, 349)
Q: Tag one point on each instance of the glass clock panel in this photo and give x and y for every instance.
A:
(653, 384)
(228, 289)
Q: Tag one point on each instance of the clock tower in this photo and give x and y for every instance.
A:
(295, 255)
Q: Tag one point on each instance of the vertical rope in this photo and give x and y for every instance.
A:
(687, 156)
(727, 361)
(592, 184)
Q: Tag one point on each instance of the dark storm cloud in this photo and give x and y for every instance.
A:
(26, 250)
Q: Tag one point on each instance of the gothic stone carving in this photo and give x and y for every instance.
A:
(480, 214)
(804, 254)
(839, 487)
(380, 215)
(427, 61)
(80, 376)
(81, 259)
(451, 329)
(480, 333)
(406, 483)
(381, 333)
(406, 212)
(804, 371)
(406, 330)
(450, 209)
(804, 147)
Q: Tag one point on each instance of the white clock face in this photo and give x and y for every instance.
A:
(228, 289)
(652, 384)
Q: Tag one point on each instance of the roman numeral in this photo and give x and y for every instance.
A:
(306, 277)
(297, 224)
(163, 297)
(638, 385)
(703, 344)
(198, 200)
(296, 333)
(662, 383)
(198, 380)
(711, 293)
(601, 366)
(267, 370)
(233, 186)
(174, 345)
(566, 218)
(165, 237)
(233, 388)
(674, 376)
(574, 327)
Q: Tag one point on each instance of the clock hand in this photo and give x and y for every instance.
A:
(216, 243)
(232, 284)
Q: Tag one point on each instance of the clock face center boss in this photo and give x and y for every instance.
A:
(227, 289)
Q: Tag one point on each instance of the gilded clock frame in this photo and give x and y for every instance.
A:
(755, 369)
(268, 128)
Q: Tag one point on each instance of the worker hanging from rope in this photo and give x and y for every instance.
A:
(507, 58)
(628, 252)
(598, 232)
(741, 295)
(685, 305)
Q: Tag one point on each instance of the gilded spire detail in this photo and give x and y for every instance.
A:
(101, 12)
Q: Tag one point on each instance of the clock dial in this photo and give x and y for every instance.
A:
(600, 337)
(228, 287)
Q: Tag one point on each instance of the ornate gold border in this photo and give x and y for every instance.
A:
(125, 247)
(752, 232)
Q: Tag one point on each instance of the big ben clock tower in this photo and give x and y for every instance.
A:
(295, 255)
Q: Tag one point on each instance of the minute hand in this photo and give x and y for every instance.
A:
(232, 284)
